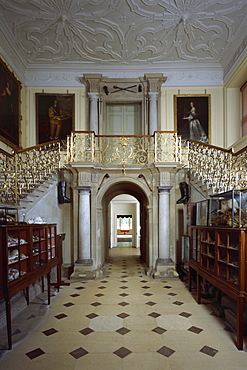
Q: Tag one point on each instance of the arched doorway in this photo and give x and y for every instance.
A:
(130, 188)
(124, 213)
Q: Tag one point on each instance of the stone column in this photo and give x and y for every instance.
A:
(84, 255)
(164, 226)
(153, 116)
(94, 126)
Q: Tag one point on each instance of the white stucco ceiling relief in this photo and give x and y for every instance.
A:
(90, 34)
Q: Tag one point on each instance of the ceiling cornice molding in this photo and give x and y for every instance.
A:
(12, 60)
(236, 59)
(182, 75)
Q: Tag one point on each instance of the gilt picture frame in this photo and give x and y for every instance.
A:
(54, 122)
(192, 113)
(10, 107)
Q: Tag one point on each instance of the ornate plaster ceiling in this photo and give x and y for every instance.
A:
(93, 33)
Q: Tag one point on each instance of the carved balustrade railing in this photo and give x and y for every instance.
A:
(23, 171)
(219, 169)
(168, 147)
(124, 150)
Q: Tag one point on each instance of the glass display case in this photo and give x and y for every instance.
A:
(18, 244)
(8, 215)
(27, 253)
(228, 209)
(202, 213)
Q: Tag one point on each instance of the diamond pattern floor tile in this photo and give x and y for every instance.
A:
(159, 330)
(150, 303)
(69, 304)
(123, 294)
(61, 316)
(209, 351)
(123, 304)
(78, 353)
(154, 314)
(50, 332)
(195, 330)
(86, 331)
(122, 352)
(166, 351)
(92, 315)
(123, 331)
(35, 353)
(185, 314)
(178, 303)
(95, 328)
(96, 304)
(123, 315)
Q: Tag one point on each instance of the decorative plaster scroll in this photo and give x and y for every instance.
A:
(123, 31)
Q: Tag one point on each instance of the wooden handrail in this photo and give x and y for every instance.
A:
(38, 146)
(217, 147)
(6, 153)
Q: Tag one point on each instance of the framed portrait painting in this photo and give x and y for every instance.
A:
(10, 106)
(192, 117)
(54, 116)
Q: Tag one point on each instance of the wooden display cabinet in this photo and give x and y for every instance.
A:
(8, 215)
(219, 256)
(29, 252)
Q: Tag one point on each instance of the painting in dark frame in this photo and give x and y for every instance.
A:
(192, 116)
(54, 120)
(10, 105)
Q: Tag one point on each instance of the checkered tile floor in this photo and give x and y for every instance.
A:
(122, 321)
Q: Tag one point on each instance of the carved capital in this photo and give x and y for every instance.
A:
(91, 81)
(154, 81)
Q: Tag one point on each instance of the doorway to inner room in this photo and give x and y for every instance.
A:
(124, 221)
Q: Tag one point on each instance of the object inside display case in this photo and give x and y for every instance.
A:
(202, 213)
(8, 215)
(228, 209)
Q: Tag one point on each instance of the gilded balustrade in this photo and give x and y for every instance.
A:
(124, 150)
(219, 169)
(168, 147)
(81, 147)
(23, 171)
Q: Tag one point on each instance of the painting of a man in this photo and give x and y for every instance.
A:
(55, 116)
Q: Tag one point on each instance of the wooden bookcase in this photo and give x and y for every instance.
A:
(28, 252)
(219, 256)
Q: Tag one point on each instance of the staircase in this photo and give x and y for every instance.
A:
(32, 200)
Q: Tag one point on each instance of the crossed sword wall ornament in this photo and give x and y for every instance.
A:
(117, 89)
(123, 88)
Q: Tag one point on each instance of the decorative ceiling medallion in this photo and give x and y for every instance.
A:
(123, 31)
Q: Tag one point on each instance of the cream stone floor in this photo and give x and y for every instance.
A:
(124, 320)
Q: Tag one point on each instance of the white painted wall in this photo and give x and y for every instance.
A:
(128, 205)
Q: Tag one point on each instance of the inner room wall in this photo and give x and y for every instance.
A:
(125, 205)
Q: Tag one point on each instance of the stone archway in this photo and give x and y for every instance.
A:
(130, 188)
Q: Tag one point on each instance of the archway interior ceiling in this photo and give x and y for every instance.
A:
(88, 33)
(125, 188)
